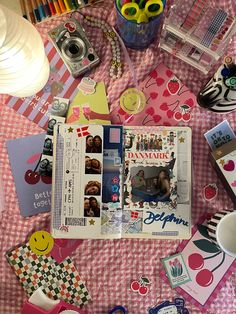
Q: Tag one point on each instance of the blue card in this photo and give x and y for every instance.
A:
(219, 135)
(33, 190)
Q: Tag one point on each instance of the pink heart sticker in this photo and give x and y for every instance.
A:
(233, 184)
(229, 166)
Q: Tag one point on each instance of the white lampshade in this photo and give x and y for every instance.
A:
(24, 67)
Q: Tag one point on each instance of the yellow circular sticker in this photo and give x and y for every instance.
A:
(132, 101)
(41, 242)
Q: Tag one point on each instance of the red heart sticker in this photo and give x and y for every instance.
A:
(229, 166)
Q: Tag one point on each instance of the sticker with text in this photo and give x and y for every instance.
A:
(219, 135)
(176, 270)
(167, 307)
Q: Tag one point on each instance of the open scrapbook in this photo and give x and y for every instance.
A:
(121, 182)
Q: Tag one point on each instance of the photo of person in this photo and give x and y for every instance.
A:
(91, 207)
(87, 210)
(138, 181)
(51, 124)
(97, 144)
(92, 188)
(48, 146)
(93, 144)
(162, 185)
(150, 184)
(89, 143)
(92, 166)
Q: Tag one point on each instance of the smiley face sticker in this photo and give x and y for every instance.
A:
(132, 101)
(41, 242)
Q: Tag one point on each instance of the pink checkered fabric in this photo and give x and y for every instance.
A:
(108, 267)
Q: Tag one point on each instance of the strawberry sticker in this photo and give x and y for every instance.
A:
(210, 191)
(173, 85)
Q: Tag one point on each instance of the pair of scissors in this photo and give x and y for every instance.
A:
(139, 14)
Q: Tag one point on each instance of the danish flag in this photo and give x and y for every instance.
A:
(82, 131)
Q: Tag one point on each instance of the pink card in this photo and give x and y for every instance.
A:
(168, 101)
(208, 268)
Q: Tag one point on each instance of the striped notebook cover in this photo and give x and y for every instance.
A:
(60, 83)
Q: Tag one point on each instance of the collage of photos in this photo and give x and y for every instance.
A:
(93, 176)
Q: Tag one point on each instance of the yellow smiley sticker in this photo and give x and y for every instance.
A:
(132, 101)
(41, 242)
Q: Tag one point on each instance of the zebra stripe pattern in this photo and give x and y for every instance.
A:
(212, 224)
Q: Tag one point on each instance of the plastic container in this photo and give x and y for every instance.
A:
(137, 35)
(197, 32)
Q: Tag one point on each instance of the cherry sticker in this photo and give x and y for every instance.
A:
(140, 286)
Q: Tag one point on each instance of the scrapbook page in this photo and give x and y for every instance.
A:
(114, 182)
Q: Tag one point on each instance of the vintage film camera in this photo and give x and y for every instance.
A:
(74, 47)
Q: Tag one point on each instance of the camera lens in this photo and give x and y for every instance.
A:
(74, 49)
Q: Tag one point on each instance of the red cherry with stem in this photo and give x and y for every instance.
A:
(32, 177)
(186, 116)
(195, 261)
(135, 285)
(150, 111)
(143, 290)
(204, 277)
(153, 74)
(153, 95)
(159, 81)
(170, 113)
(164, 106)
(156, 118)
(46, 179)
(177, 115)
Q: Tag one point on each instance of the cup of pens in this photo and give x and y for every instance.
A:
(138, 21)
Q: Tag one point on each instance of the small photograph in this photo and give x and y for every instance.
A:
(91, 207)
(45, 167)
(93, 144)
(48, 146)
(150, 184)
(51, 124)
(92, 165)
(92, 188)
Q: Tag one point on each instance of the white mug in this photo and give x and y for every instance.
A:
(222, 230)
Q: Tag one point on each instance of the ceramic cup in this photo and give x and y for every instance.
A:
(222, 230)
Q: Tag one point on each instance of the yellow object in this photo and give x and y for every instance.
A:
(68, 5)
(141, 15)
(41, 242)
(132, 101)
(56, 5)
(91, 108)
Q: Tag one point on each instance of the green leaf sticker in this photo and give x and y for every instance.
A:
(184, 107)
(206, 246)
(145, 280)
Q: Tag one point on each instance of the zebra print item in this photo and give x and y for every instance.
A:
(216, 95)
(213, 223)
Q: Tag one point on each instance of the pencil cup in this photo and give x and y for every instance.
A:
(221, 229)
(137, 35)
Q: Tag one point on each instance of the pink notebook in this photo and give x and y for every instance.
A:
(168, 101)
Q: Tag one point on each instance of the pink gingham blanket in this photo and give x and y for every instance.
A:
(108, 267)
